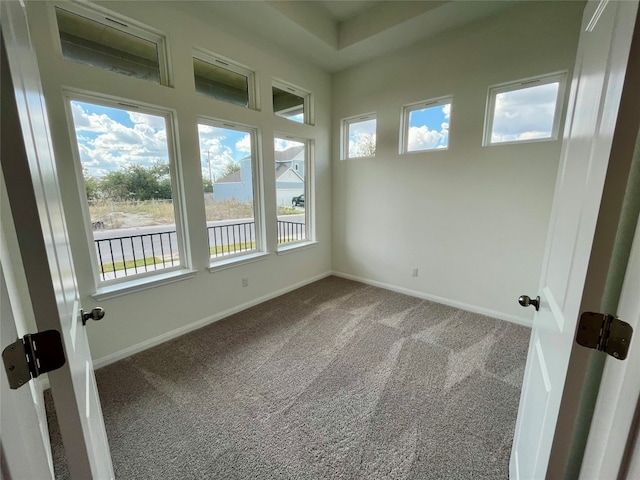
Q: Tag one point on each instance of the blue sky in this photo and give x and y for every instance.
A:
(429, 128)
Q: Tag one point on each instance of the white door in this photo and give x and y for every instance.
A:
(32, 186)
(598, 78)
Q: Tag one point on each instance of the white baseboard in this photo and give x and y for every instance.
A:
(445, 301)
(127, 352)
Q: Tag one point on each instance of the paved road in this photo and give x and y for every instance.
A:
(161, 242)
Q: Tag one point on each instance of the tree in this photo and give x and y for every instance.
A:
(207, 185)
(133, 182)
(92, 187)
(230, 168)
(364, 145)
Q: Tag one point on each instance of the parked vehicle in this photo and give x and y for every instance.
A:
(298, 201)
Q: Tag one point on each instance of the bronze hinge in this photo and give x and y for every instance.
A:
(605, 333)
(33, 355)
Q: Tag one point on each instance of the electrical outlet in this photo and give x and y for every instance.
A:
(245, 282)
(414, 272)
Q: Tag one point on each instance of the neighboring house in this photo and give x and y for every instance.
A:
(235, 185)
(289, 179)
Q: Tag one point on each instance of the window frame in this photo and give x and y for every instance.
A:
(177, 191)
(124, 24)
(344, 134)
(309, 194)
(258, 196)
(235, 67)
(406, 117)
(307, 97)
(538, 80)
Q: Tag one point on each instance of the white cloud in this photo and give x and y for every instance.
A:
(421, 138)
(446, 109)
(153, 121)
(366, 127)
(524, 114)
(244, 144)
(281, 144)
(105, 144)
(213, 151)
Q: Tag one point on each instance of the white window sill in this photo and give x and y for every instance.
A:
(294, 247)
(235, 261)
(137, 285)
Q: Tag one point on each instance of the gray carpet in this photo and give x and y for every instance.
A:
(335, 380)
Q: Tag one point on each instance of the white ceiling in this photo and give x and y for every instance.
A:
(341, 10)
(337, 34)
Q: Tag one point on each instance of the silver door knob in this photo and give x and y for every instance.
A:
(95, 314)
(525, 301)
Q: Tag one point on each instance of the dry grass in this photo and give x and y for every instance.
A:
(227, 210)
(131, 214)
(109, 215)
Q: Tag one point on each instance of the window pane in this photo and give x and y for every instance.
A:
(428, 128)
(291, 199)
(524, 114)
(125, 163)
(92, 43)
(221, 83)
(226, 157)
(288, 105)
(362, 139)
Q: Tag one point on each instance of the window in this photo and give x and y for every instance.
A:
(93, 38)
(293, 172)
(223, 80)
(525, 111)
(230, 178)
(291, 103)
(126, 158)
(359, 136)
(425, 125)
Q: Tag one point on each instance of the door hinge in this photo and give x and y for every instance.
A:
(33, 355)
(605, 333)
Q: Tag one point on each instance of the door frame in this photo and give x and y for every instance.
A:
(584, 373)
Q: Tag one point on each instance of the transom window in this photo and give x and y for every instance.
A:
(229, 172)
(90, 37)
(425, 125)
(223, 80)
(525, 111)
(291, 103)
(132, 201)
(359, 136)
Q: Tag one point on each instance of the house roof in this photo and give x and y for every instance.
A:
(233, 177)
(291, 153)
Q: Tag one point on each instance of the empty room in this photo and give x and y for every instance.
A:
(313, 239)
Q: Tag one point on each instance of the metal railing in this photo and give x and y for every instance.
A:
(129, 255)
(232, 238)
(290, 232)
(133, 254)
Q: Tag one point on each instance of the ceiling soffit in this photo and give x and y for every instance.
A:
(334, 36)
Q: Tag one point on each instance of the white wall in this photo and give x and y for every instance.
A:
(139, 319)
(472, 219)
